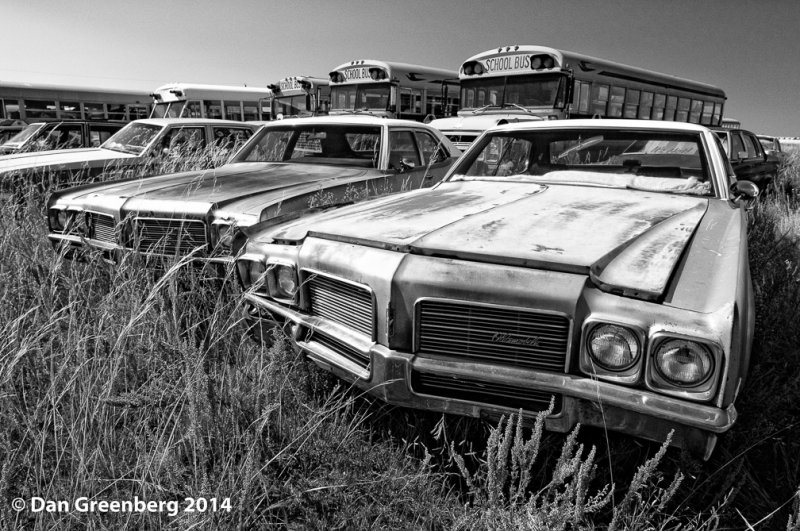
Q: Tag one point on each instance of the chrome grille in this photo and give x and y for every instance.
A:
(342, 349)
(169, 236)
(342, 302)
(472, 390)
(101, 227)
(493, 334)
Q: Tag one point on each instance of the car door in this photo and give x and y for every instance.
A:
(761, 169)
(416, 158)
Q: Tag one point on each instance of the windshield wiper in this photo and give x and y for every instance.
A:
(481, 109)
(518, 106)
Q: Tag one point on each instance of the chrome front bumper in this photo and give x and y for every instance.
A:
(587, 401)
(112, 252)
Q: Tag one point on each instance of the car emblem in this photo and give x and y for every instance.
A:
(508, 339)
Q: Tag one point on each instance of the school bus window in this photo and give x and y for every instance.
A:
(137, 112)
(672, 104)
(631, 103)
(581, 95)
(696, 111)
(717, 113)
(682, 115)
(116, 111)
(213, 109)
(615, 100)
(40, 109)
(69, 109)
(251, 110)
(192, 110)
(94, 111)
(659, 100)
(645, 104)
(233, 110)
(599, 99)
(469, 97)
(12, 110)
(708, 112)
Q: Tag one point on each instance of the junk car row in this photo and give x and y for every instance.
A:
(595, 267)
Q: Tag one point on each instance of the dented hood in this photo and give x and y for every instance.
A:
(628, 241)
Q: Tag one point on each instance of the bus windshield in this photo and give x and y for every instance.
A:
(360, 97)
(133, 138)
(167, 110)
(291, 105)
(526, 91)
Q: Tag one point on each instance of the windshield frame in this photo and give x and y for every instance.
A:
(461, 169)
(305, 125)
(114, 141)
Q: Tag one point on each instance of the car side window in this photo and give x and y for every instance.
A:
(752, 145)
(738, 150)
(432, 150)
(402, 148)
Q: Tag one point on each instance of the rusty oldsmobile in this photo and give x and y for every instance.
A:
(600, 264)
(287, 167)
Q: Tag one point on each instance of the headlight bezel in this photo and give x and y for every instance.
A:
(251, 269)
(222, 233)
(276, 282)
(630, 373)
(703, 390)
(62, 219)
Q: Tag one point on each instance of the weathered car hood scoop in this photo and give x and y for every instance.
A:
(629, 240)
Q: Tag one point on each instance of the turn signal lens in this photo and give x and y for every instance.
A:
(613, 347)
(684, 363)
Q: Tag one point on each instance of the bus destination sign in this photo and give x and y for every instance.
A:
(507, 63)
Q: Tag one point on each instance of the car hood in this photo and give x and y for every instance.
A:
(242, 187)
(628, 241)
(59, 158)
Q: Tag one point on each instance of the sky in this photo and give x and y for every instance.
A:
(750, 49)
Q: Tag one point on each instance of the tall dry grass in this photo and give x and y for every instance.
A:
(119, 383)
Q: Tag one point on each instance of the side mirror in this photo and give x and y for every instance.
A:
(744, 190)
(407, 165)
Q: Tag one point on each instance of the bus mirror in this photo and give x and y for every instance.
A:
(392, 108)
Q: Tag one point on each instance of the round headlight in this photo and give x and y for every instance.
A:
(684, 362)
(613, 347)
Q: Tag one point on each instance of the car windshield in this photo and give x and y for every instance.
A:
(658, 161)
(336, 144)
(22, 137)
(133, 138)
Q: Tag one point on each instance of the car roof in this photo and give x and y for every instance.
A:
(361, 119)
(596, 123)
(195, 121)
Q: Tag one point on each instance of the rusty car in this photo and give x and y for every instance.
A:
(141, 148)
(598, 264)
(287, 167)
